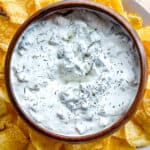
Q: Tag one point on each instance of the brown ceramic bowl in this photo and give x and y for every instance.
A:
(63, 7)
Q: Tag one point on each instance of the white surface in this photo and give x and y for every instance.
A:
(141, 7)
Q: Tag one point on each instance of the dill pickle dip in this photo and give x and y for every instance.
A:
(75, 74)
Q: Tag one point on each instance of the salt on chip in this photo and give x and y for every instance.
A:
(135, 20)
(113, 143)
(40, 142)
(135, 135)
(15, 10)
(13, 139)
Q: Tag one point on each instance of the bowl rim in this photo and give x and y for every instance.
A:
(83, 5)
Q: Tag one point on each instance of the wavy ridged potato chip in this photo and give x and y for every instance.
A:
(15, 10)
(13, 139)
(113, 143)
(135, 135)
(40, 142)
(97, 145)
(135, 20)
(142, 119)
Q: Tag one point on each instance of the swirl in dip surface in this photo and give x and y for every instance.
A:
(75, 74)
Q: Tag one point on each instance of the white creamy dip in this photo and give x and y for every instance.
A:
(75, 74)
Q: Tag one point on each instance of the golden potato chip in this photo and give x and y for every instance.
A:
(15, 10)
(117, 6)
(147, 47)
(148, 83)
(23, 126)
(7, 31)
(30, 7)
(3, 92)
(96, 145)
(3, 108)
(30, 147)
(142, 119)
(144, 33)
(41, 3)
(40, 142)
(113, 143)
(135, 20)
(135, 135)
(104, 2)
(13, 139)
(120, 133)
(146, 105)
(2, 61)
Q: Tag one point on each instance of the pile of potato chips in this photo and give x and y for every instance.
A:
(15, 134)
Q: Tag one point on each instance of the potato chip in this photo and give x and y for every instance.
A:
(117, 6)
(30, 7)
(3, 92)
(113, 143)
(96, 145)
(15, 10)
(135, 20)
(148, 83)
(3, 108)
(30, 147)
(104, 2)
(144, 33)
(40, 142)
(120, 133)
(23, 126)
(41, 3)
(135, 135)
(147, 47)
(13, 139)
(7, 31)
(2, 61)
(146, 105)
(142, 119)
